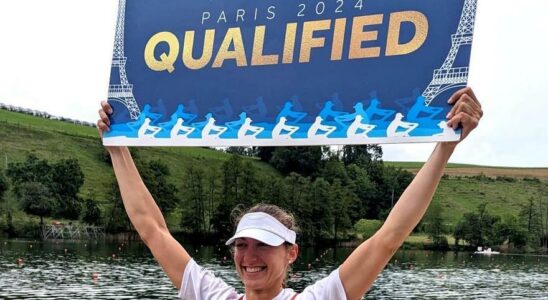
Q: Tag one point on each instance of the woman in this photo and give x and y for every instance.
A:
(264, 243)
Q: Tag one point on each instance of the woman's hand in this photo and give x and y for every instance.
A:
(466, 112)
(103, 124)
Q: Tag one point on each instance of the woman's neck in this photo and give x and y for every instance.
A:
(262, 294)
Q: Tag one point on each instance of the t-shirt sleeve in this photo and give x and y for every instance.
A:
(328, 288)
(201, 284)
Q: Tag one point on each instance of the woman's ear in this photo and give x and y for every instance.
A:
(293, 253)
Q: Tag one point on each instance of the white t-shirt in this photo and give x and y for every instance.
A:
(201, 284)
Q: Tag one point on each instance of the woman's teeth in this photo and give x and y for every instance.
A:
(254, 269)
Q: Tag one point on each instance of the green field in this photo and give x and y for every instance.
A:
(459, 193)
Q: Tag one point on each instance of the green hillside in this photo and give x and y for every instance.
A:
(459, 196)
(458, 193)
(22, 134)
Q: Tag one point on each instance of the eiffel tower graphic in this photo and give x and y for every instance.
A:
(447, 76)
(122, 92)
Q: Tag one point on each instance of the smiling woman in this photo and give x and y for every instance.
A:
(264, 245)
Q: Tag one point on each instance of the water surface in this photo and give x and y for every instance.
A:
(84, 270)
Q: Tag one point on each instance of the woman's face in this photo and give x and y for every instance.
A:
(262, 267)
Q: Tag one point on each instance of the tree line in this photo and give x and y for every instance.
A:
(334, 194)
(481, 228)
(328, 191)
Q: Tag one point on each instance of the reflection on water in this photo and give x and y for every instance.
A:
(83, 270)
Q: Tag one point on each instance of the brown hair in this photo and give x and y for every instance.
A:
(286, 218)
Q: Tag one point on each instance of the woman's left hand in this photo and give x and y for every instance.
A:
(466, 112)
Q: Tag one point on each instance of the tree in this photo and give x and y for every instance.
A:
(36, 199)
(334, 169)
(244, 151)
(361, 154)
(434, 225)
(117, 221)
(297, 201)
(306, 161)
(67, 179)
(3, 186)
(31, 170)
(250, 184)
(322, 212)
(63, 180)
(211, 196)
(510, 230)
(275, 191)
(265, 153)
(193, 216)
(155, 175)
(91, 213)
(365, 191)
(232, 173)
(340, 197)
(477, 228)
(534, 219)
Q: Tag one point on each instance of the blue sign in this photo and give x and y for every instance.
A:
(274, 72)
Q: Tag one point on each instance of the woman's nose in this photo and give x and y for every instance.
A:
(250, 252)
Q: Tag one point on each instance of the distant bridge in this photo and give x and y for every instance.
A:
(72, 232)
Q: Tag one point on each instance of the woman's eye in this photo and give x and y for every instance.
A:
(240, 245)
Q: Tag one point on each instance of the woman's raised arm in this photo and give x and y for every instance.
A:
(143, 212)
(362, 267)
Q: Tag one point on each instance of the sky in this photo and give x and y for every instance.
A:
(55, 56)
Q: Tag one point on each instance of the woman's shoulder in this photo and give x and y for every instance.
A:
(329, 287)
(201, 283)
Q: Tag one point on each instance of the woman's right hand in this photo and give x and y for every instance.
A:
(103, 124)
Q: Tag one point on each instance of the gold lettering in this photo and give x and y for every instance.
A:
(207, 53)
(338, 39)
(289, 44)
(309, 41)
(257, 58)
(233, 36)
(359, 36)
(166, 61)
(419, 20)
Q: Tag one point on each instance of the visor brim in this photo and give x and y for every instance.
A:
(264, 236)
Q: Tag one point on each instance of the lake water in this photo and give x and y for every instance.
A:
(65, 270)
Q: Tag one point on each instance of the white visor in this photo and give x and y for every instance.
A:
(263, 227)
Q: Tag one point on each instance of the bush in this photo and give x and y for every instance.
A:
(367, 228)
(505, 179)
(531, 179)
(439, 243)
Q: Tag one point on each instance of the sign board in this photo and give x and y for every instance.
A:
(274, 72)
